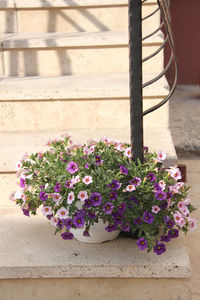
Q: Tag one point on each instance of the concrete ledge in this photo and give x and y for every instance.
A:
(80, 87)
(64, 3)
(29, 249)
(73, 40)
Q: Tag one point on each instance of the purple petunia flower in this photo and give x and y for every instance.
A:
(135, 181)
(86, 233)
(91, 215)
(169, 195)
(151, 177)
(165, 238)
(60, 224)
(26, 212)
(142, 243)
(126, 227)
(138, 221)
(98, 160)
(114, 185)
(148, 217)
(22, 182)
(108, 208)
(121, 208)
(157, 187)
(72, 167)
(170, 223)
(68, 223)
(69, 184)
(113, 195)
(86, 165)
(111, 227)
(164, 205)
(174, 233)
(88, 203)
(57, 187)
(43, 196)
(123, 170)
(49, 217)
(159, 248)
(160, 195)
(67, 235)
(133, 198)
(96, 199)
(118, 218)
(78, 221)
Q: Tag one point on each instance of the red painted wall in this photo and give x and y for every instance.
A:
(186, 28)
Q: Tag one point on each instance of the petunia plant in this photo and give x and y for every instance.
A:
(75, 186)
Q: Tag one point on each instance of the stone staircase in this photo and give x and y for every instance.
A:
(64, 69)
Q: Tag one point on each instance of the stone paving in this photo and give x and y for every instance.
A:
(185, 128)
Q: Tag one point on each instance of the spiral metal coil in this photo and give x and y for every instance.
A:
(163, 7)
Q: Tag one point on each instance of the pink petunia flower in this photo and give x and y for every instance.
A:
(62, 213)
(161, 156)
(155, 209)
(54, 221)
(130, 188)
(127, 152)
(87, 179)
(47, 210)
(70, 198)
(82, 195)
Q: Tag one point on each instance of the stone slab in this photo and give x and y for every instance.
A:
(92, 86)
(39, 254)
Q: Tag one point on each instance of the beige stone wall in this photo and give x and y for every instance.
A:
(95, 289)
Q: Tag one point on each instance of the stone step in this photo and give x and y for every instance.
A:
(58, 16)
(54, 54)
(99, 101)
(15, 144)
(70, 269)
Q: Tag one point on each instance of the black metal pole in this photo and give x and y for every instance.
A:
(135, 53)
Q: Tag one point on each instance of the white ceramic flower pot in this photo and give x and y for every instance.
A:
(97, 232)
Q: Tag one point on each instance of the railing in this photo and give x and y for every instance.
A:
(136, 61)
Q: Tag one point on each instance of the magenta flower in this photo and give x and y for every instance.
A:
(159, 248)
(67, 235)
(160, 195)
(111, 227)
(69, 184)
(118, 218)
(43, 196)
(57, 187)
(68, 223)
(96, 199)
(113, 195)
(26, 212)
(108, 208)
(174, 233)
(78, 221)
(142, 243)
(138, 221)
(165, 238)
(91, 215)
(114, 185)
(148, 217)
(135, 181)
(88, 203)
(151, 177)
(86, 233)
(72, 167)
(22, 182)
(123, 170)
(122, 208)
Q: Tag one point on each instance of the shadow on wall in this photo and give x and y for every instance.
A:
(25, 62)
